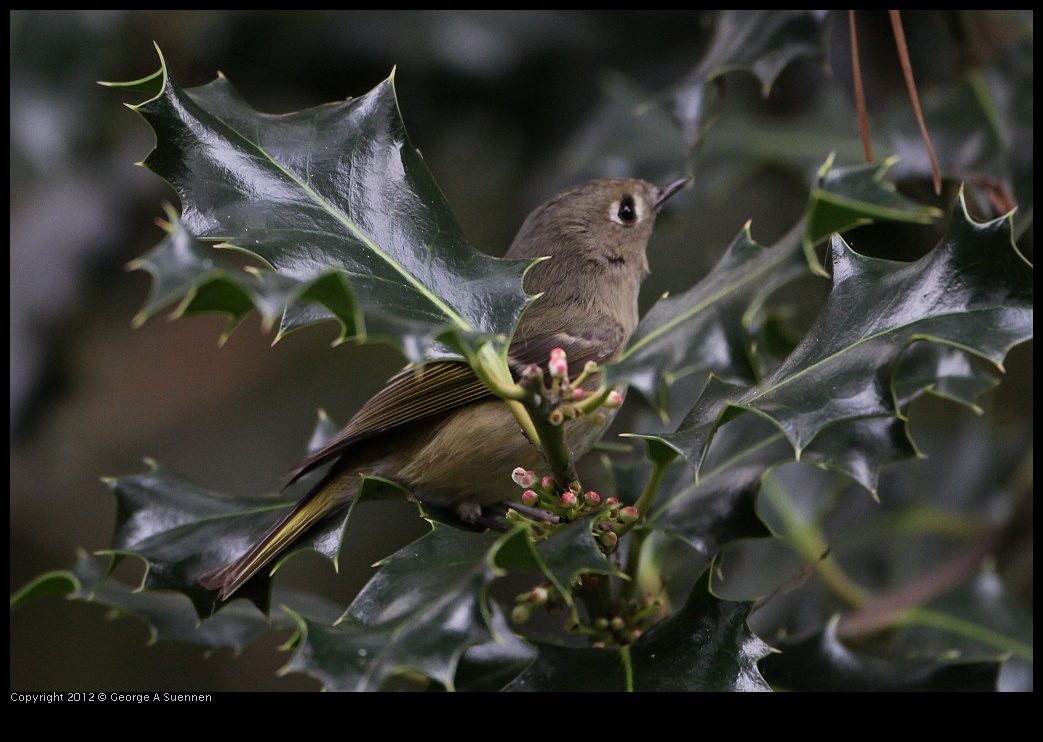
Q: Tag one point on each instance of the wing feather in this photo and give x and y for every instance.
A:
(416, 394)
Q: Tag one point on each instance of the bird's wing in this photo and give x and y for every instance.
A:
(410, 396)
(416, 394)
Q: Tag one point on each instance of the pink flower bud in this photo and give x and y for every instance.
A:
(569, 500)
(539, 595)
(611, 501)
(608, 539)
(530, 498)
(523, 477)
(547, 482)
(559, 368)
(579, 393)
(614, 400)
(629, 514)
(593, 498)
(557, 353)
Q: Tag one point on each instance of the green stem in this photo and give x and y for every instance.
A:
(521, 414)
(655, 481)
(492, 370)
(633, 567)
(593, 401)
(809, 542)
(628, 668)
(494, 373)
(555, 450)
(927, 617)
(661, 457)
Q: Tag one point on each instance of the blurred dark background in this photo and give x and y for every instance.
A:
(506, 108)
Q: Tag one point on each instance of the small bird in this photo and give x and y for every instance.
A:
(438, 430)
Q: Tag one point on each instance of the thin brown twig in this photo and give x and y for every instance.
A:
(910, 83)
(860, 95)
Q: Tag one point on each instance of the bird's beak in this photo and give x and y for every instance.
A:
(667, 191)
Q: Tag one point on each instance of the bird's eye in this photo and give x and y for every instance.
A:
(627, 212)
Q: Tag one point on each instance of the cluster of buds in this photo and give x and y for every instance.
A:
(628, 621)
(543, 495)
(617, 521)
(542, 596)
(568, 399)
(624, 627)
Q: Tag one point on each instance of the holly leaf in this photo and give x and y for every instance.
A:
(707, 328)
(339, 210)
(822, 663)
(722, 508)
(181, 531)
(972, 292)
(168, 616)
(490, 666)
(979, 619)
(570, 552)
(761, 42)
(424, 609)
(705, 646)
(848, 197)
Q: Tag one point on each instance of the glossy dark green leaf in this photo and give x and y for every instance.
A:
(707, 327)
(761, 42)
(972, 292)
(943, 371)
(980, 619)
(917, 552)
(705, 517)
(336, 202)
(490, 666)
(859, 447)
(706, 646)
(722, 508)
(168, 616)
(182, 531)
(420, 613)
(571, 552)
(822, 663)
(849, 197)
(180, 260)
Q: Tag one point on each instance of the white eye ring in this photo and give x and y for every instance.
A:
(627, 211)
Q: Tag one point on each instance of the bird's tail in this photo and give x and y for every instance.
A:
(323, 500)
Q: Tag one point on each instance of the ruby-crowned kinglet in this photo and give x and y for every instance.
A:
(439, 431)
